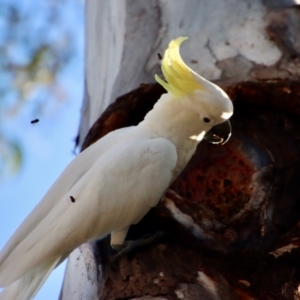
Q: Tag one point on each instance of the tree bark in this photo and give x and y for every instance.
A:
(230, 222)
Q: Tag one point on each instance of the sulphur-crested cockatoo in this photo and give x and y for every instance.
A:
(115, 182)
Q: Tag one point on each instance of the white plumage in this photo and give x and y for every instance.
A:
(113, 183)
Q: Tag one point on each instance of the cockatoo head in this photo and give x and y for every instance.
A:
(209, 101)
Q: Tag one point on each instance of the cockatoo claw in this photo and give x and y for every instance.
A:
(130, 246)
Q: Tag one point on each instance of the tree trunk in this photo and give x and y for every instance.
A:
(230, 222)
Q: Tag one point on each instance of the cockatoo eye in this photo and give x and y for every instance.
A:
(206, 120)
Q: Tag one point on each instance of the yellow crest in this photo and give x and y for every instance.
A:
(179, 78)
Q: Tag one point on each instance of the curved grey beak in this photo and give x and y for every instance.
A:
(219, 134)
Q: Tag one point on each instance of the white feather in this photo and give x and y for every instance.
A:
(27, 286)
(117, 190)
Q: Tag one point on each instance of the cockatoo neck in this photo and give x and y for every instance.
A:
(173, 120)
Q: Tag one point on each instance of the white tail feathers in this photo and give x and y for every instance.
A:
(27, 286)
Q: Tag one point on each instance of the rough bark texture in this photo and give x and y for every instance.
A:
(231, 221)
(228, 39)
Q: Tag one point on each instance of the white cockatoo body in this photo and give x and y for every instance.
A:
(115, 182)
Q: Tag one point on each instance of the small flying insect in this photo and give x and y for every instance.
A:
(72, 199)
(34, 121)
(159, 56)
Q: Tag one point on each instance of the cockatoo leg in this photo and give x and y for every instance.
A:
(117, 239)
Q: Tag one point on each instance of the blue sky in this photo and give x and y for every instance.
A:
(47, 146)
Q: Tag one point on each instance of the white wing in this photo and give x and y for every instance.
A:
(74, 171)
(112, 192)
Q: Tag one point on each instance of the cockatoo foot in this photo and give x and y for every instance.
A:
(119, 248)
(130, 246)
